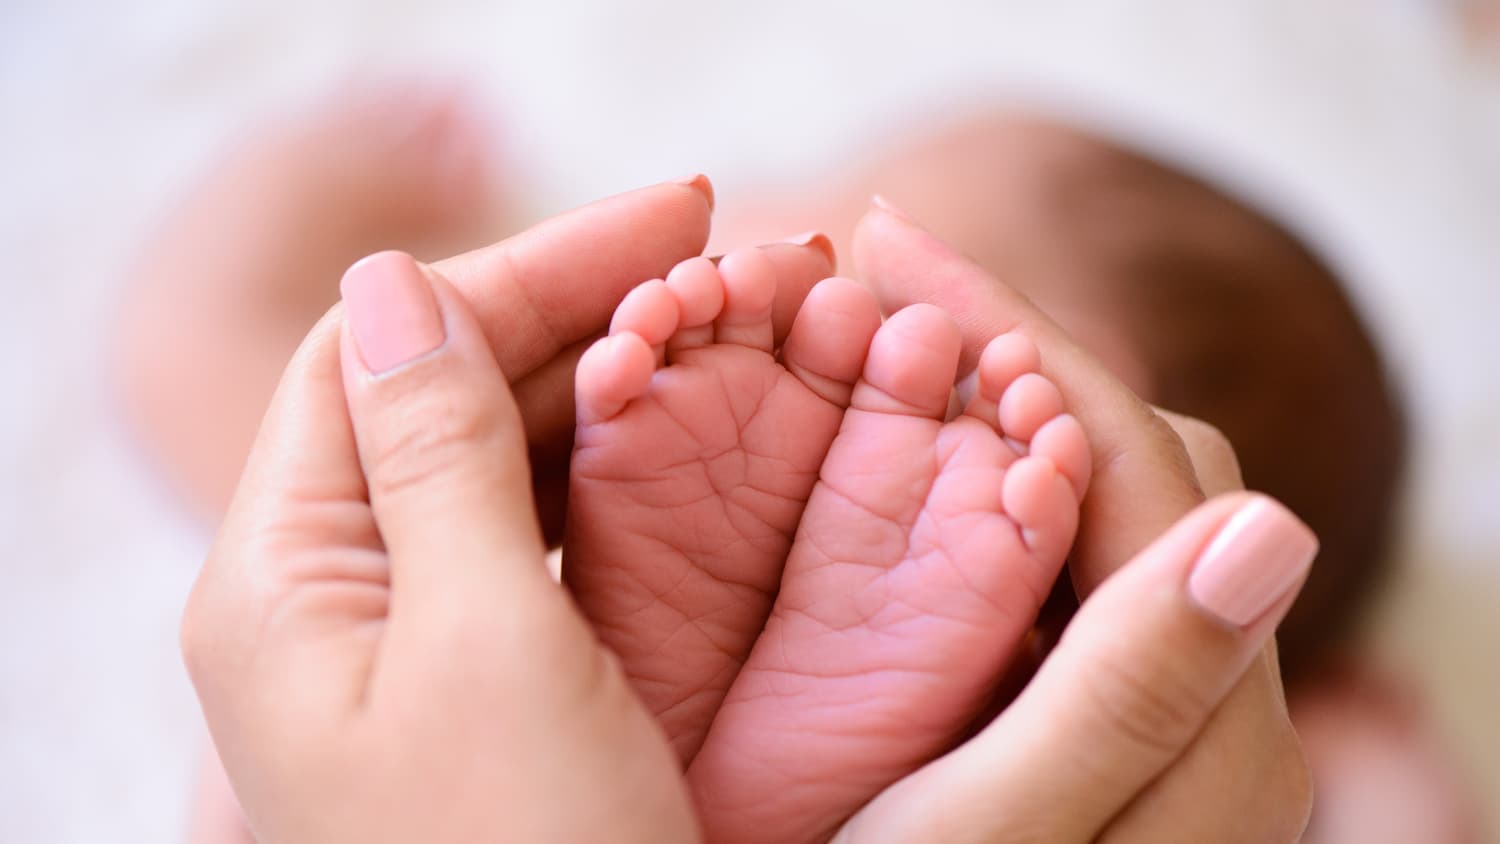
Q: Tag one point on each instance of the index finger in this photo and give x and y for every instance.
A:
(557, 283)
(532, 293)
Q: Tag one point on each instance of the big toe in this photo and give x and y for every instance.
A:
(830, 338)
(912, 364)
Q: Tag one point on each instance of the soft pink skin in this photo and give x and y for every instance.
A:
(923, 557)
(684, 499)
(924, 554)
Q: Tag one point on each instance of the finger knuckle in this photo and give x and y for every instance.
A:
(432, 439)
(1152, 710)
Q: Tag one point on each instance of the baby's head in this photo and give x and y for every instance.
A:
(1205, 307)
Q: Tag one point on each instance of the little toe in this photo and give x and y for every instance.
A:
(911, 366)
(612, 373)
(1042, 504)
(831, 337)
(700, 298)
(749, 295)
(651, 312)
(1061, 439)
(1004, 359)
(1027, 404)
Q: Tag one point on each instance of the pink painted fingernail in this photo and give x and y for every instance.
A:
(817, 240)
(391, 310)
(701, 184)
(1258, 556)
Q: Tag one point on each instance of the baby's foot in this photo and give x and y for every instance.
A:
(695, 454)
(921, 561)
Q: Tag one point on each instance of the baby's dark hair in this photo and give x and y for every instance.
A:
(1243, 326)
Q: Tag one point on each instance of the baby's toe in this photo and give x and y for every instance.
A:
(1043, 505)
(700, 297)
(612, 373)
(911, 366)
(651, 312)
(830, 338)
(1061, 440)
(749, 296)
(1029, 402)
(1005, 358)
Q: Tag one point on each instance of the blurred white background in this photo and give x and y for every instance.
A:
(1372, 127)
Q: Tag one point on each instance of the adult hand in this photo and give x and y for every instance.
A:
(376, 594)
(378, 647)
(1178, 724)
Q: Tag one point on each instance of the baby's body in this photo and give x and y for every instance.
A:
(811, 568)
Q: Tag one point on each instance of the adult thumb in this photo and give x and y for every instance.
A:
(1138, 672)
(441, 446)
